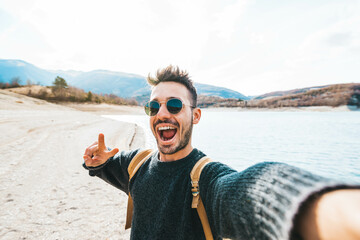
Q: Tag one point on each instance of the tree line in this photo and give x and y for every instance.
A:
(60, 91)
(333, 96)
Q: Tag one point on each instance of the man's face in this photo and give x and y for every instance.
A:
(172, 131)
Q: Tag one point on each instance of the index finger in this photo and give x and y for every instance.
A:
(101, 141)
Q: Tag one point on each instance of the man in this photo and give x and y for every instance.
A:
(265, 201)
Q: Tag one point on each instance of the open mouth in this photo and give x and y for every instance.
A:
(166, 133)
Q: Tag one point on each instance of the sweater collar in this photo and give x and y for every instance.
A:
(174, 165)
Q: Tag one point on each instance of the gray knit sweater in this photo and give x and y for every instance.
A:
(257, 203)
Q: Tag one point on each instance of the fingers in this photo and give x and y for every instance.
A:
(89, 151)
(96, 154)
(113, 152)
(93, 161)
(96, 146)
(101, 142)
(88, 160)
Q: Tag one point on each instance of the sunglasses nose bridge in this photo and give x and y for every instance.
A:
(163, 111)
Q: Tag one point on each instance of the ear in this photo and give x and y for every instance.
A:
(196, 115)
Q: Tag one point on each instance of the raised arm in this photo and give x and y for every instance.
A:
(262, 201)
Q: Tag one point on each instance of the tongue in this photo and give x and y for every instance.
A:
(169, 133)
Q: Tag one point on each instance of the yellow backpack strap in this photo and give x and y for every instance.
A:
(197, 202)
(134, 165)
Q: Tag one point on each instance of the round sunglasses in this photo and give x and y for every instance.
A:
(173, 105)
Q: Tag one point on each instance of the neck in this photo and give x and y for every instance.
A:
(176, 156)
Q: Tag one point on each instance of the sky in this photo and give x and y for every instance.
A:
(250, 46)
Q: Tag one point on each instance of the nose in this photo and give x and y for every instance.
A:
(163, 112)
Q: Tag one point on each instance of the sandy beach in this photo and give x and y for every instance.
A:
(45, 192)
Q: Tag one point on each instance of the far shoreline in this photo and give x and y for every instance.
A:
(344, 108)
(111, 109)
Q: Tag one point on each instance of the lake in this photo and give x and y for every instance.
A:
(326, 143)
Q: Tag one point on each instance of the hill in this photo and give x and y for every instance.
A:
(24, 72)
(289, 92)
(123, 85)
(70, 95)
(331, 95)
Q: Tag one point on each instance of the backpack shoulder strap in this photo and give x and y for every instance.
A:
(197, 202)
(134, 166)
(137, 161)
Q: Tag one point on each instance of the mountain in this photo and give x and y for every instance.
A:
(98, 81)
(289, 92)
(332, 95)
(209, 90)
(10, 69)
(117, 83)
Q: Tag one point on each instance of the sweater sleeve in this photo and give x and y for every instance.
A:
(114, 170)
(259, 202)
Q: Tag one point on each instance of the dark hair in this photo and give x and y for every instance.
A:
(174, 74)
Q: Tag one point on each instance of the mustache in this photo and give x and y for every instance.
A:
(166, 121)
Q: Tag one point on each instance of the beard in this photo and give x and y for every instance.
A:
(184, 141)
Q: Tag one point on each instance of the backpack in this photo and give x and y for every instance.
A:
(197, 203)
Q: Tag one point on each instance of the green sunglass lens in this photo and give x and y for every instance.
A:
(174, 106)
(152, 108)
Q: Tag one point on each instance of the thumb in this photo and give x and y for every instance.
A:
(113, 152)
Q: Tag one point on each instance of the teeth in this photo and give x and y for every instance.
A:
(165, 128)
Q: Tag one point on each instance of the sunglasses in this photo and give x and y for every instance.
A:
(173, 105)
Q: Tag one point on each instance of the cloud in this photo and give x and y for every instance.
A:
(339, 39)
(225, 21)
(336, 41)
(234, 43)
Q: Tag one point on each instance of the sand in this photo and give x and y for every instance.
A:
(106, 109)
(45, 192)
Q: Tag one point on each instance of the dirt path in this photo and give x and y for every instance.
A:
(45, 193)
